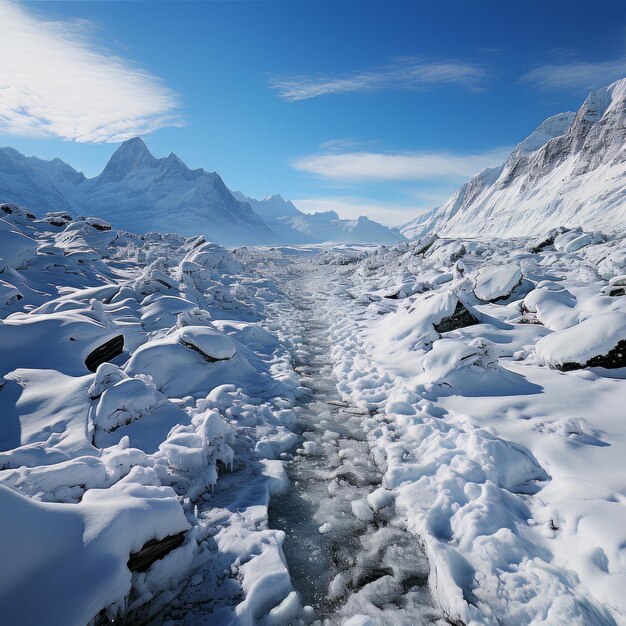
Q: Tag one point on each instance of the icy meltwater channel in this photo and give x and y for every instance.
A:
(347, 554)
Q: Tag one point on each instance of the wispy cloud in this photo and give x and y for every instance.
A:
(55, 80)
(351, 207)
(406, 73)
(576, 75)
(362, 166)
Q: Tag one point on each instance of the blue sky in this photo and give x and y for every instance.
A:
(381, 108)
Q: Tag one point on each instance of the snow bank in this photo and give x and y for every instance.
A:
(123, 407)
(60, 553)
(599, 340)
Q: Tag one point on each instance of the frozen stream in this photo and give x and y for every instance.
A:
(344, 558)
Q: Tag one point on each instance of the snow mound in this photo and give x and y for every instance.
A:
(497, 282)
(210, 343)
(599, 340)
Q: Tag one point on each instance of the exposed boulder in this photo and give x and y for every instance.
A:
(154, 550)
(105, 352)
(461, 317)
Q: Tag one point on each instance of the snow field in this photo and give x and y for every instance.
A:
(505, 470)
(167, 435)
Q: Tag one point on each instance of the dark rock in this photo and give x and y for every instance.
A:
(461, 318)
(107, 351)
(611, 360)
(154, 550)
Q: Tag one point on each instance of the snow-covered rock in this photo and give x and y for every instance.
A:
(597, 341)
(497, 282)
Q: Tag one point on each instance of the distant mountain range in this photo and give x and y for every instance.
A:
(139, 192)
(571, 171)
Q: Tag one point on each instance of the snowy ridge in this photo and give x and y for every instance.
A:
(569, 172)
(141, 193)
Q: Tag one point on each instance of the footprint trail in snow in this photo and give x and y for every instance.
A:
(348, 556)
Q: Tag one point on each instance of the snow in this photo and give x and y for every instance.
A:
(578, 344)
(61, 552)
(568, 172)
(161, 438)
(495, 282)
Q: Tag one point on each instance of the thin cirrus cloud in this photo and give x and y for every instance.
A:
(54, 80)
(406, 73)
(372, 166)
(576, 75)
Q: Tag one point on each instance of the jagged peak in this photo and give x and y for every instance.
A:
(599, 101)
(130, 155)
(552, 127)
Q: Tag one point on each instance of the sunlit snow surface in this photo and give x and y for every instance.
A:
(428, 422)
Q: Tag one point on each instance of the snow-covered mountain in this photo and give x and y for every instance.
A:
(294, 226)
(569, 172)
(328, 226)
(142, 193)
(137, 191)
(271, 207)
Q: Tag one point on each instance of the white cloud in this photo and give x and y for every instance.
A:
(348, 207)
(361, 166)
(408, 73)
(575, 75)
(54, 80)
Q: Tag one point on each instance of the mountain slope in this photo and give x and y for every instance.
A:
(328, 226)
(142, 193)
(295, 227)
(30, 181)
(137, 191)
(571, 171)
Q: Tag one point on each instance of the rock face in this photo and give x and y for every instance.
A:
(569, 171)
(460, 318)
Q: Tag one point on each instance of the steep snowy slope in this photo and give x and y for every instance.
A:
(31, 181)
(569, 172)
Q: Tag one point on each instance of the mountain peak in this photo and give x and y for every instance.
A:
(549, 129)
(132, 154)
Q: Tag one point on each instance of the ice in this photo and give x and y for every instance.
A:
(362, 511)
